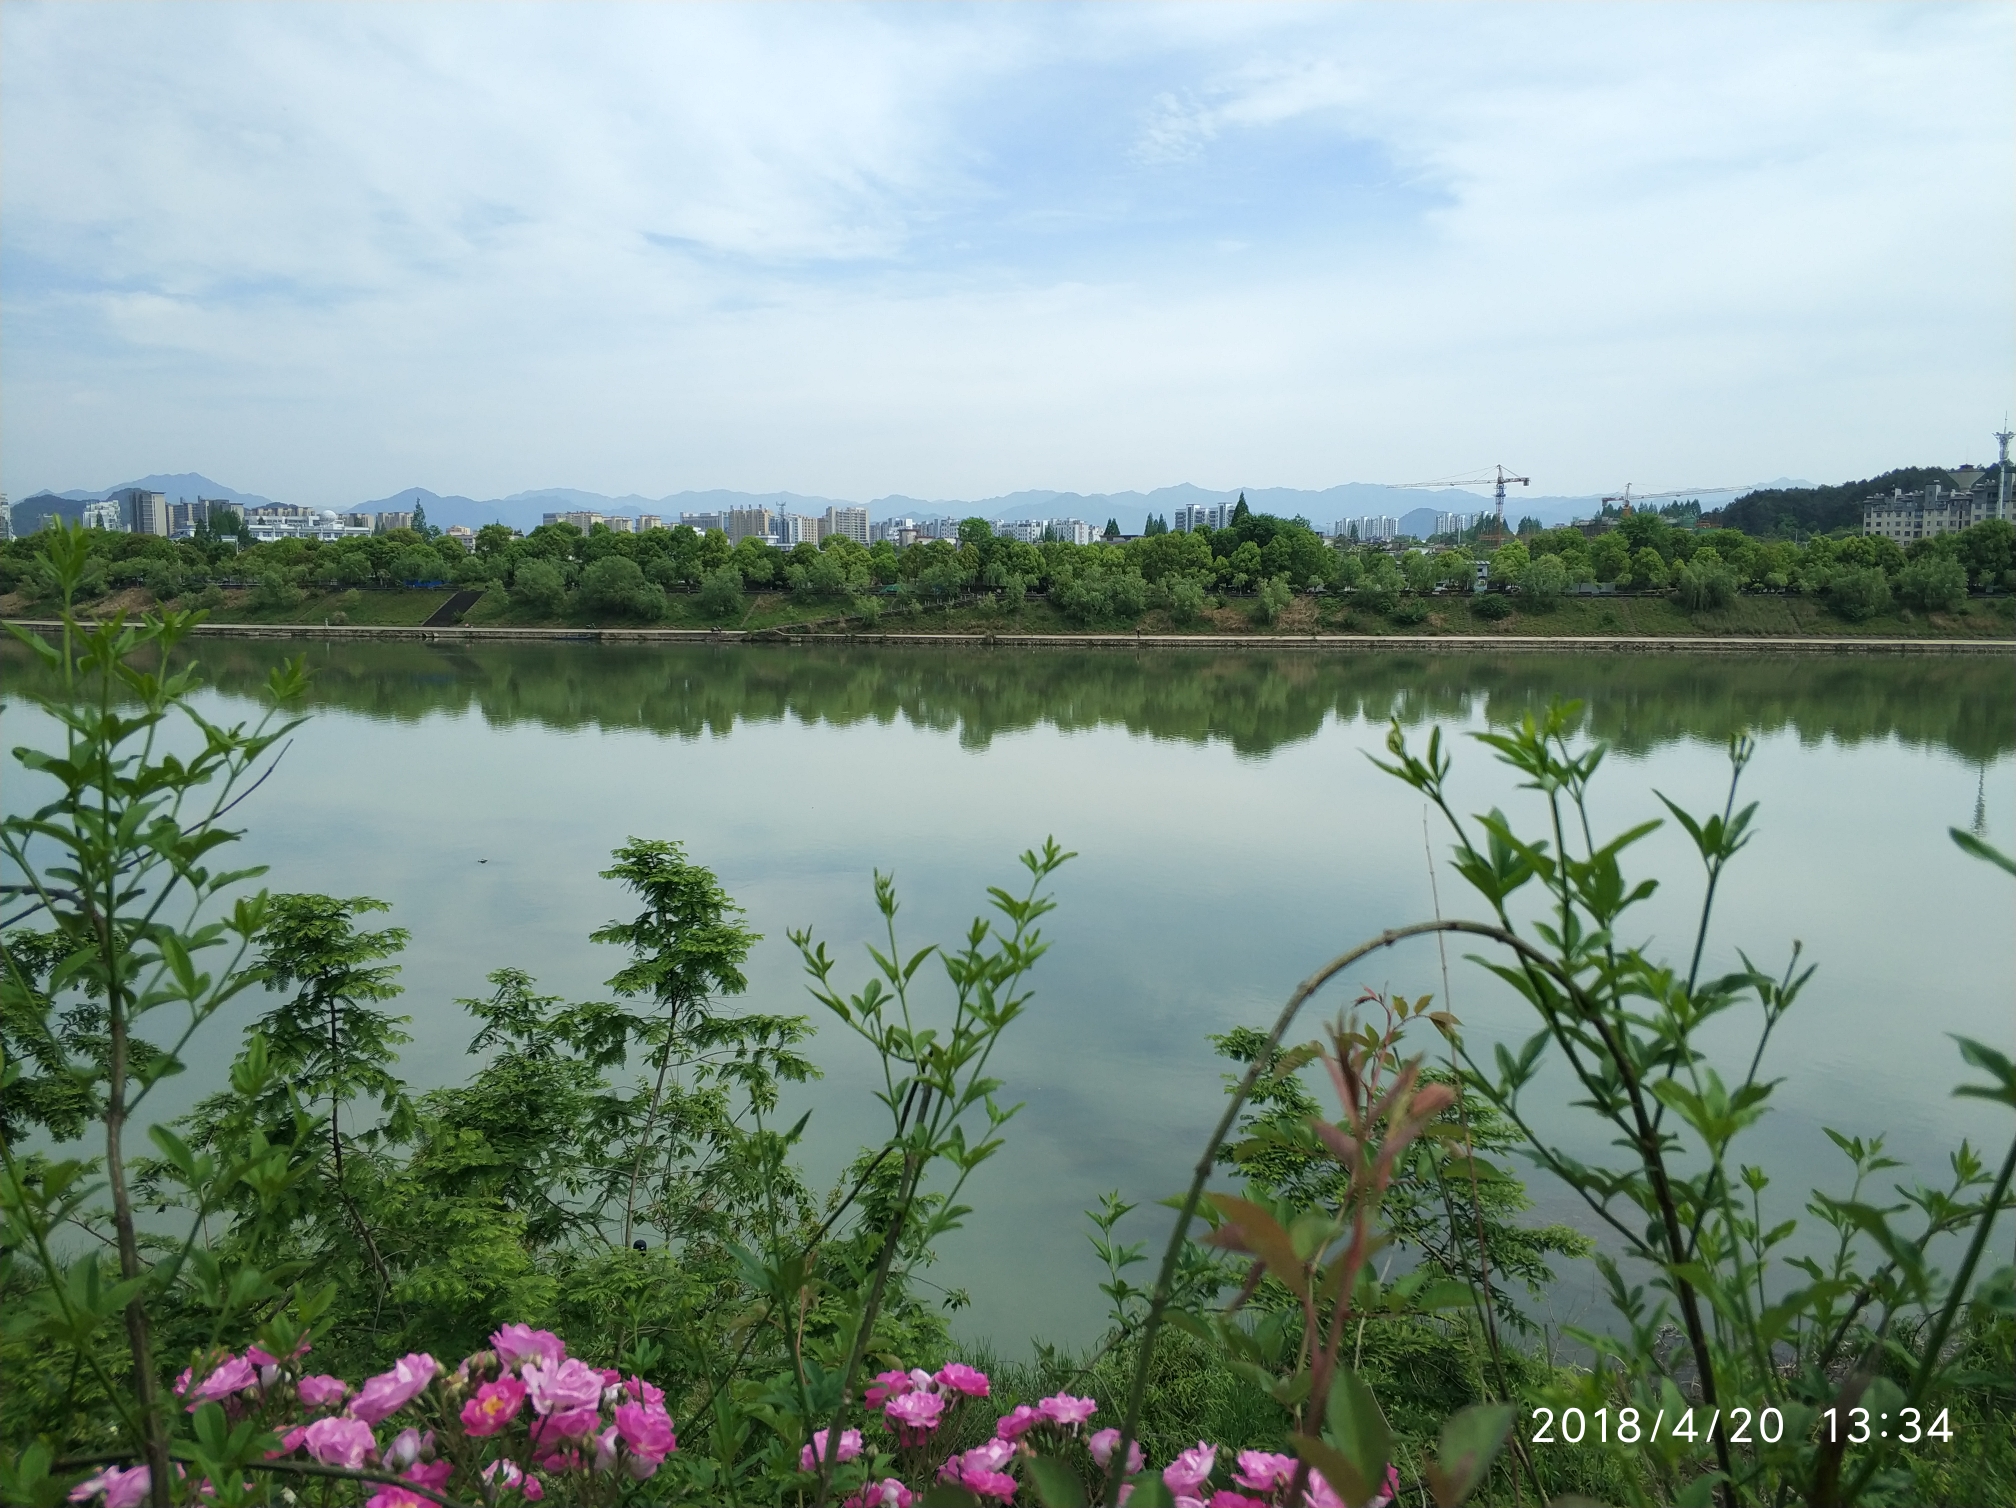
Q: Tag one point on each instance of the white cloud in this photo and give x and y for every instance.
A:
(327, 252)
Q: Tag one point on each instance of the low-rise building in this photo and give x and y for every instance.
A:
(104, 515)
(700, 523)
(282, 521)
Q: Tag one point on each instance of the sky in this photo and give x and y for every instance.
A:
(327, 253)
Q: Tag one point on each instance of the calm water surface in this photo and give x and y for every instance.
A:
(1231, 836)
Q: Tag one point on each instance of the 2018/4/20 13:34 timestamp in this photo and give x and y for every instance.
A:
(1858, 1426)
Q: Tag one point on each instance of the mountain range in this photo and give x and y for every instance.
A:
(1413, 507)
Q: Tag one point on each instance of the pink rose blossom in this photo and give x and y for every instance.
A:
(647, 1429)
(1067, 1412)
(233, 1375)
(289, 1442)
(991, 1456)
(914, 1415)
(1017, 1422)
(340, 1441)
(431, 1474)
(552, 1433)
(887, 1385)
(563, 1386)
(1224, 1498)
(605, 1450)
(887, 1493)
(495, 1405)
(508, 1473)
(322, 1391)
(1192, 1469)
(389, 1392)
(515, 1344)
(123, 1487)
(642, 1392)
(957, 1377)
(260, 1357)
(810, 1457)
(1103, 1444)
(1264, 1470)
(406, 1448)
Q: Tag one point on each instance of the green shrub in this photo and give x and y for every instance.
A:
(163, 579)
(1274, 596)
(275, 591)
(1705, 583)
(1490, 606)
(1408, 611)
(1186, 599)
(1545, 584)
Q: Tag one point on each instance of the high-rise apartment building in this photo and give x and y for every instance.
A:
(1194, 516)
(848, 523)
(141, 511)
(741, 523)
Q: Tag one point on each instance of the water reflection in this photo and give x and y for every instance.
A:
(1254, 701)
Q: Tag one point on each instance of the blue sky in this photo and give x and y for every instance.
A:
(326, 253)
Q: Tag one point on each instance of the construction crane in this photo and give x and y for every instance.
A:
(1498, 480)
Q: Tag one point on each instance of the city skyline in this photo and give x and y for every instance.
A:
(966, 252)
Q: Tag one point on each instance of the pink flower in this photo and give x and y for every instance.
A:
(643, 1392)
(605, 1450)
(340, 1441)
(887, 1385)
(123, 1487)
(233, 1375)
(887, 1493)
(289, 1442)
(1017, 1422)
(406, 1448)
(508, 1472)
(991, 1456)
(397, 1497)
(495, 1405)
(322, 1391)
(553, 1432)
(1067, 1412)
(990, 1484)
(389, 1392)
(957, 1377)
(1191, 1470)
(1264, 1470)
(430, 1474)
(260, 1357)
(434, 1474)
(914, 1415)
(562, 1386)
(1227, 1499)
(521, 1343)
(810, 1457)
(1103, 1444)
(647, 1429)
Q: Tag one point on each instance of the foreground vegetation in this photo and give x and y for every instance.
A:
(612, 1182)
(1262, 574)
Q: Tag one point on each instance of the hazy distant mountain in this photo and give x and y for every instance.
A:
(1414, 507)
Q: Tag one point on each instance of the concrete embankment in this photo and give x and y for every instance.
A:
(1358, 643)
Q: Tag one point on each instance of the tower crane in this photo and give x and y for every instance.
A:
(1498, 480)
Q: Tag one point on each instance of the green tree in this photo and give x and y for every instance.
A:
(540, 585)
(1705, 583)
(1648, 570)
(1112, 528)
(1936, 583)
(720, 594)
(616, 584)
(1508, 564)
(1545, 583)
(1858, 593)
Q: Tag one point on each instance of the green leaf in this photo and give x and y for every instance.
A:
(1150, 1491)
(1969, 844)
(947, 1495)
(1358, 1428)
(1337, 1471)
(1470, 1440)
(1057, 1485)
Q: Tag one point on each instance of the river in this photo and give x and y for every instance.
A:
(1231, 835)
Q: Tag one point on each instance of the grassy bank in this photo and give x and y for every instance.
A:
(1760, 616)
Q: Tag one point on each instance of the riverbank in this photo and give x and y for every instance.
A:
(1391, 642)
(1622, 623)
